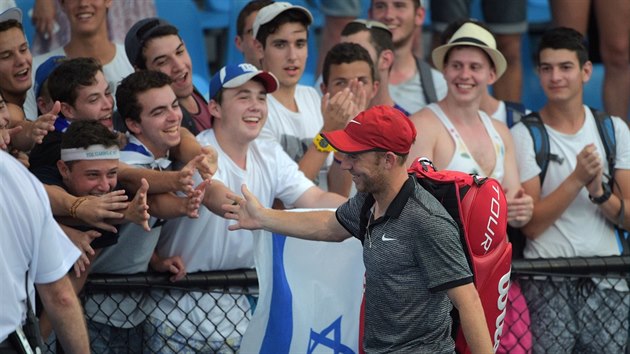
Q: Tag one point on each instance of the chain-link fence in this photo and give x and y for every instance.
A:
(205, 312)
(569, 305)
(555, 306)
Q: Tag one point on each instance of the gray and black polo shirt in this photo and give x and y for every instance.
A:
(412, 255)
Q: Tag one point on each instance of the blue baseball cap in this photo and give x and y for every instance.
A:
(44, 70)
(235, 75)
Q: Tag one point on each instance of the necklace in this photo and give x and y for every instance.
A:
(367, 230)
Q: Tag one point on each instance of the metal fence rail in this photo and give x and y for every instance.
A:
(209, 311)
(201, 280)
(591, 266)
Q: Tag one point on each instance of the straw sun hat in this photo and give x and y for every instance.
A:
(470, 34)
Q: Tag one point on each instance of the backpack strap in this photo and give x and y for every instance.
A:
(606, 130)
(426, 80)
(188, 122)
(514, 112)
(537, 130)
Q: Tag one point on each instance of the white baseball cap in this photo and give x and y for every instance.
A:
(12, 13)
(269, 12)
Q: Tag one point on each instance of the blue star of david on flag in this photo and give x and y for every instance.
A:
(334, 343)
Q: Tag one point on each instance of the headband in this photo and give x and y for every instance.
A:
(93, 152)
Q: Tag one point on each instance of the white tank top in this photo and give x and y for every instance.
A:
(462, 159)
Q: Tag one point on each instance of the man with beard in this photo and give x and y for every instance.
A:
(416, 269)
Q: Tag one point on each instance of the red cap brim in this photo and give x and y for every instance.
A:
(343, 142)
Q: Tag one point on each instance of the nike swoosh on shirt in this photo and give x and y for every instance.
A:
(384, 238)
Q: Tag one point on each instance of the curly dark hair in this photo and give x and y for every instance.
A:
(132, 86)
(346, 53)
(64, 82)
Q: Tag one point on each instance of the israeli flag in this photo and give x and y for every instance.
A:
(310, 296)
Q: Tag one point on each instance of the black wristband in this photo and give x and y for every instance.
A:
(602, 198)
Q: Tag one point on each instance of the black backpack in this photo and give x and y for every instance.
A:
(515, 111)
(539, 135)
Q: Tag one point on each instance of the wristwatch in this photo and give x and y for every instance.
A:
(321, 144)
(602, 198)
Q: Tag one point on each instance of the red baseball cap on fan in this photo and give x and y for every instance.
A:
(380, 128)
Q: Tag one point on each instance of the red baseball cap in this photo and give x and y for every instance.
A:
(380, 128)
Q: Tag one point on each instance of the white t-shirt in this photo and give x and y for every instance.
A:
(295, 131)
(114, 72)
(130, 255)
(582, 230)
(410, 94)
(30, 241)
(206, 244)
